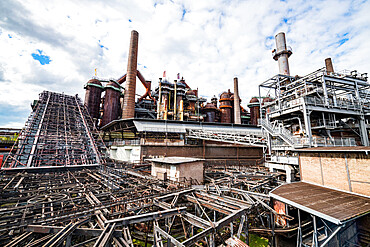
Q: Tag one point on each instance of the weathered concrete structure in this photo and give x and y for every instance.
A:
(178, 168)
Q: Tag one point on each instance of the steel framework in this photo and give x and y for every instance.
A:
(59, 132)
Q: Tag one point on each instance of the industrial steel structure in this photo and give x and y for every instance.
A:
(59, 132)
(124, 207)
(323, 108)
(208, 184)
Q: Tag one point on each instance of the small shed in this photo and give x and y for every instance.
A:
(177, 168)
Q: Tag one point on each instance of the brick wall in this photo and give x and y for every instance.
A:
(331, 169)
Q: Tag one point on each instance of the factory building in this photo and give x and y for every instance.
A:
(171, 169)
(321, 109)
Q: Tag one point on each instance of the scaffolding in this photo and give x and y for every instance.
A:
(59, 132)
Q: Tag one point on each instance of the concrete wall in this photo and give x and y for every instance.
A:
(344, 171)
(125, 153)
(192, 170)
(189, 170)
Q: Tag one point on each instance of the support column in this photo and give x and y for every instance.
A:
(363, 131)
(315, 241)
(299, 234)
(307, 122)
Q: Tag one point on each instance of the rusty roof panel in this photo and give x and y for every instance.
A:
(330, 204)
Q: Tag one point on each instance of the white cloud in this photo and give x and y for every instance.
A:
(210, 44)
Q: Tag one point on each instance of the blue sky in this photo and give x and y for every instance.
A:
(56, 45)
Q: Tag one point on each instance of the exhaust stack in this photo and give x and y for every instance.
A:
(329, 66)
(282, 53)
(237, 118)
(128, 110)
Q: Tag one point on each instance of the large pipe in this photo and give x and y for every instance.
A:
(181, 110)
(237, 118)
(159, 102)
(175, 101)
(282, 53)
(329, 65)
(128, 110)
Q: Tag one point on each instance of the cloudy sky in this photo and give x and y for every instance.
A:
(56, 45)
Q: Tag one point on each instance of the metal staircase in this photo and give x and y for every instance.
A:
(278, 131)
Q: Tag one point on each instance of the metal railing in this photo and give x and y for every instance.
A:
(300, 142)
(277, 130)
(287, 139)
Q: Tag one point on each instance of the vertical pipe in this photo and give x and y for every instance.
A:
(159, 102)
(175, 101)
(128, 110)
(237, 118)
(181, 110)
(165, 110)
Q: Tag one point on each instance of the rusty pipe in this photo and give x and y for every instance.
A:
(122, 79)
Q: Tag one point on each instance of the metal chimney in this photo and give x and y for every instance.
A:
(128, 110)
(282, 53)
(237, 118)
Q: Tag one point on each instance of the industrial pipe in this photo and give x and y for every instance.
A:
(175, 101)
(159, 108)
(147, 85)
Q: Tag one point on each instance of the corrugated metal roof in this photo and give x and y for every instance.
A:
(333, 205)
(181, 127)
(335, 149)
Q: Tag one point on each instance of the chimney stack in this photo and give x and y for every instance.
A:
(237, 118)
(329, 66)
(282, 53)
(128, 110)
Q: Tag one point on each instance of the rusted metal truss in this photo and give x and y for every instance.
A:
(120, 207)
(59, 132)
